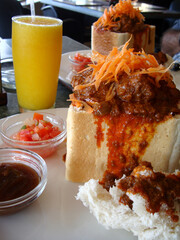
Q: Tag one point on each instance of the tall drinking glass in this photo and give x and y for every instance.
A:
(36, 48)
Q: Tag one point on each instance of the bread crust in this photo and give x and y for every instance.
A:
(84, 160)
(103, 42)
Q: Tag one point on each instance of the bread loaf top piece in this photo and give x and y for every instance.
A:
(103, 42)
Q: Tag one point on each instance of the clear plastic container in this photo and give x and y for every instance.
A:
(32, 160)
(45, 148)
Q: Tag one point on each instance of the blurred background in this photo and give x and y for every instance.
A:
(79, 16)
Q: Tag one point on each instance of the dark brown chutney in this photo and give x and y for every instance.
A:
(16, 180)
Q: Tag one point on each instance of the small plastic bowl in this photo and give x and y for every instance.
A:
(45, 148)
(76, 65)
(31, 160)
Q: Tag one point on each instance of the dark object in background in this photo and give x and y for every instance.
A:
(170, 42)
(176, 67)
(3, 95)
(75, 25)
(8, 9)
(161, 3)
(72, 25)
(113, 2)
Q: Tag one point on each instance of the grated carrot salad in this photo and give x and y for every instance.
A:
(108, 68)
(109, 19)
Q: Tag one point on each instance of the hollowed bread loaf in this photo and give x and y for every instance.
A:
(125, 109)
(117, 25)
(103, 42)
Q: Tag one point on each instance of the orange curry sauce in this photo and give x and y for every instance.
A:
(127, 138)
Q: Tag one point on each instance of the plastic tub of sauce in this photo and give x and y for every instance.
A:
(23, 177)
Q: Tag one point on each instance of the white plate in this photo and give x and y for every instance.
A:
(57, 214)
(66, 65)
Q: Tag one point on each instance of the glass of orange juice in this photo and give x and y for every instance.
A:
(36, 49)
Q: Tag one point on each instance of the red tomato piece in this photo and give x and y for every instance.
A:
(37, 116)
(55, 132)
(81, 62)
(44, 130)
(25, 135)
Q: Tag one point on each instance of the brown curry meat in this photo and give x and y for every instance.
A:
(160, 57)
(125, 24)
(133, 94)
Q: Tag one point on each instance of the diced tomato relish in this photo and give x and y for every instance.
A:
(81, 58)
(38, 130)
(80, 62)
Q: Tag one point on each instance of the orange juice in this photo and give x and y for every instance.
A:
(36, 48)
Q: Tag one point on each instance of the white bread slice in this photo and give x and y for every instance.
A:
(84, 160)
(103, 42)
(110, 213)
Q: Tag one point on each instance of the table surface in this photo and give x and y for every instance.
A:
(95, 8)
(63, 90)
